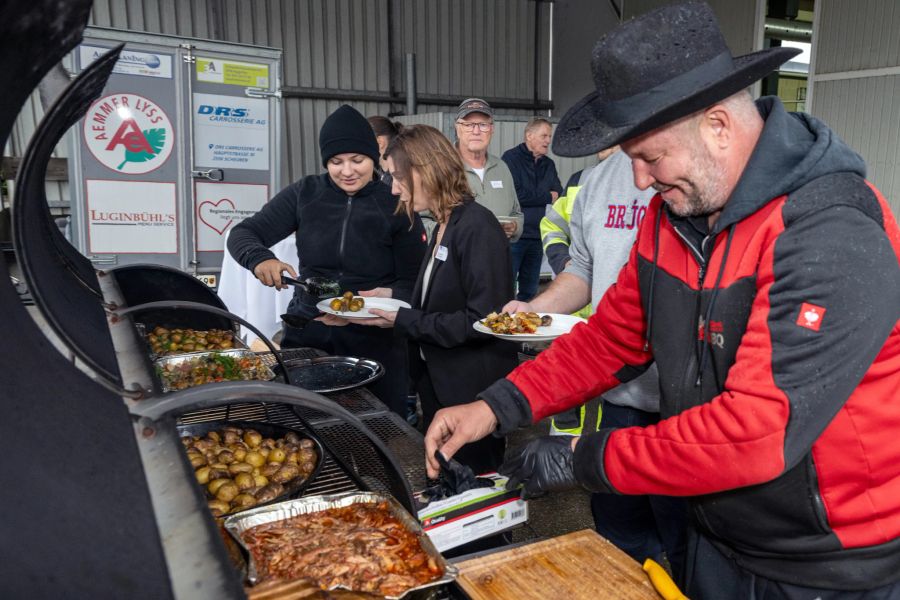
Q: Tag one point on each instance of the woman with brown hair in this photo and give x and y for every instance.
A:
(466, 274)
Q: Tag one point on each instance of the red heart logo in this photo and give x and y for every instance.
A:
(209, 205)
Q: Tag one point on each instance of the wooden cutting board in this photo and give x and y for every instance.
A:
(578, 565)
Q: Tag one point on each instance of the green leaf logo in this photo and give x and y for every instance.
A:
(143, 146)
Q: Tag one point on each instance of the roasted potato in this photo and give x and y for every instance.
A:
(255, 458)
(252, 438)
(218, 508)
(244, 481)
(243, 501)
(286, 473)
(240, 467)
(227, 491)
(269, 492)
(215, 484)
(202, 475)
(270, 469)
(197, 459)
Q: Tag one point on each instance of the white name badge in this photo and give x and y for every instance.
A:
(497, 185)
(441, 253)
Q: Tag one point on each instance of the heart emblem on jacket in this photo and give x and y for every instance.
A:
(214, 217)
(811, 316)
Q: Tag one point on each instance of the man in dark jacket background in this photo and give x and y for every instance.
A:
(537, 185)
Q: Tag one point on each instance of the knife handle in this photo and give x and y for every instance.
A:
(661, 581)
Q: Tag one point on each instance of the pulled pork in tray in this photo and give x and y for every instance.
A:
(360, 547)
(523, 322)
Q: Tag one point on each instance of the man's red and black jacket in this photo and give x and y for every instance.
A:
(776, 337)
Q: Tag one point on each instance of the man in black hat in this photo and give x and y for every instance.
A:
(765, 285)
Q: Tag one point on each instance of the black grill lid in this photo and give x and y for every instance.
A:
(61, 280)
(77, 520)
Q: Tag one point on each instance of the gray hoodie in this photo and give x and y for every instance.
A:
(605, 218)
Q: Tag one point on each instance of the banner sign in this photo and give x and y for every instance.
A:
(128, 133)
(131, 217)
(131, 62)
(229, 72)
(231, 132)
(221, 206)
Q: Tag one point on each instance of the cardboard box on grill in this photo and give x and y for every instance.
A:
(472, 515)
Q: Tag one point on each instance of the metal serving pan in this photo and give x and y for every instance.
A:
(264, 373)
(238, 343)
(325, 374)
(291, 489)
(239, 523)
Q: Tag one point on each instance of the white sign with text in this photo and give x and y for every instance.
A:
(131, 217)
(231, 132)
(221, 206)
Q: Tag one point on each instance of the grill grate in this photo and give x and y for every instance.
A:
(356, 401)
(393, 430)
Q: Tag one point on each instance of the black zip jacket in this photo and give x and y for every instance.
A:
(356, 240)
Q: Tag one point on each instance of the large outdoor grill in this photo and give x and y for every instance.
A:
(110, 506)
(351, 462)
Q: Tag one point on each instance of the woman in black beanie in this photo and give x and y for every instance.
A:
(346, 229)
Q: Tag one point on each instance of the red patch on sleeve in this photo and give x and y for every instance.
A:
(810, 316)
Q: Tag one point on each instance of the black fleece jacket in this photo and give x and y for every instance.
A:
(356, 240)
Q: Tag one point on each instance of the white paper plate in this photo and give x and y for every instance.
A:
(389, 304)
(561, 325)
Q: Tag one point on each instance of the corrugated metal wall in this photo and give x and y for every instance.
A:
(463, 48)
(57, 191)
(857, 35)
(856, 83)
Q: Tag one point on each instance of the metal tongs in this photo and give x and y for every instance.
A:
(318, 287)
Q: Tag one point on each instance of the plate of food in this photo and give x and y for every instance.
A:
(351, 306)
(527, 326)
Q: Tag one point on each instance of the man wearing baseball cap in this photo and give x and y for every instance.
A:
(765, 285)
(489, 177)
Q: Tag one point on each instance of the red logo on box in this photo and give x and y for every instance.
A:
(810, 316)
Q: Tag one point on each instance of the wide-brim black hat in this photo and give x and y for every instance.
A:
(656, 68)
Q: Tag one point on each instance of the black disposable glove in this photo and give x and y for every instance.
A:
(454, 478)
(543, 465)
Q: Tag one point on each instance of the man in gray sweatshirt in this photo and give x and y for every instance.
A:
(604, 222)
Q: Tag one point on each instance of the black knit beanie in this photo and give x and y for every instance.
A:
(345, 130)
